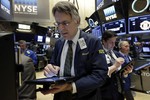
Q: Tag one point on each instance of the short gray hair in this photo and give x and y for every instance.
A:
(22, 42)
(67, 8)
(121, 43)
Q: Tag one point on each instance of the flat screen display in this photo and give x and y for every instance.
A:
(146, 49)
(5, 10)
(118, 26)
(97, 32)
(5, 5)
(40, 38)
(103, 3)
(139, 24)
(111, 13)
(99, 4)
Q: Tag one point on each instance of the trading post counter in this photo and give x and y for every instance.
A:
(140, 80)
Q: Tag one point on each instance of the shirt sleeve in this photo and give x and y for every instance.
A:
(74, 88)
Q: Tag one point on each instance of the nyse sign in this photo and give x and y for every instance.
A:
(25, 9)
(111, 17)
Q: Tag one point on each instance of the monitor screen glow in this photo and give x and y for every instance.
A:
(110, 13)
(39, 38)
(97, 32)
(146, 49)
(118, 26)
(139, 24)
(5, 5)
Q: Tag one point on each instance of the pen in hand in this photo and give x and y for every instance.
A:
(51, 70)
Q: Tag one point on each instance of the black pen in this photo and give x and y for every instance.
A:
(53, 66)
(55, 69)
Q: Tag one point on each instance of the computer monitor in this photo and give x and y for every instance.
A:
(118, 26)
(6, 10)
(111, 13)
(97, 32)
(39, 38)
(139, 24)
(146, 49)
(103, 3)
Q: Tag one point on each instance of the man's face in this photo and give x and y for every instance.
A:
(22, 46)
(67, 26)
(110, 43)
(125, 48)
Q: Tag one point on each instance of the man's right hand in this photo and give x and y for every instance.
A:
(51, 70)
(119, 61)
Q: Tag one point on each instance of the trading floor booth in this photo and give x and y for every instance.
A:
(141, 79)
(8, 89)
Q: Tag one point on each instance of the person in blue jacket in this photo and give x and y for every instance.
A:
(87, 63)
(124, 49)
(27, 52)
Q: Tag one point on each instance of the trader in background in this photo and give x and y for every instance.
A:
(124, 49)
(112, 89)
(26, 91)
(27, 52)
(76, 54)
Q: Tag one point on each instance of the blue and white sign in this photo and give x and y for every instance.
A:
(25, 7)
(110, 13)
(5, 5)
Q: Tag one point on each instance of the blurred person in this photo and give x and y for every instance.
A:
(87, 59)
(112, 89)
(50, 49)
(124, 49)
(26, 91)
(138, 47)
(27, 52)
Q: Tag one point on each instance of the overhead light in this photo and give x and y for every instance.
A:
(24, 28)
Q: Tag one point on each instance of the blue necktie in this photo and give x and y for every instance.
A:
(68, 61)
(126, 58)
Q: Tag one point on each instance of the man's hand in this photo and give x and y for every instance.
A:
(119, 61)
(58, 88)
(51, 70)
(128, 70)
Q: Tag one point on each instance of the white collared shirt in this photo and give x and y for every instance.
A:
(63, 57)
(108, 58)
(64, 53)
(124, 55)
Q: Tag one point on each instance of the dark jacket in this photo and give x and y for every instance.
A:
(126, 80)
(112, 89)
(27, 91)
(90, 68)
